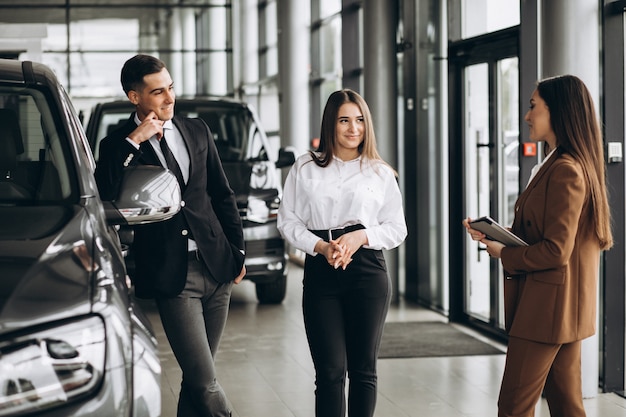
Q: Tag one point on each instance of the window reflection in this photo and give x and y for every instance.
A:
(484, 16)
(32, 161)
(329, 7)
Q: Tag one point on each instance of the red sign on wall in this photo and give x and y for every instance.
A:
(530, 149)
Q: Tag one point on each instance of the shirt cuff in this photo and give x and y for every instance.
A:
(132, 143)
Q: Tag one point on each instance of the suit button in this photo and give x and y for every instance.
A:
(128, 159)
(185, 232)
(182, 203)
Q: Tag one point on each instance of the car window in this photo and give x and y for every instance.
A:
(257, 149)
(33, 150)
(229, 128)
(111, 120)
(236, 135)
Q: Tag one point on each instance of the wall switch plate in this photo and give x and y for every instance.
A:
(614, 152)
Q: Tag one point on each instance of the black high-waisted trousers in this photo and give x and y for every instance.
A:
(344, 315)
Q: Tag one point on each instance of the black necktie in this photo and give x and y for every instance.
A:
(171, 162)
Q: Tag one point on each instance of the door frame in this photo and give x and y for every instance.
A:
(612, 284)
(486, 48)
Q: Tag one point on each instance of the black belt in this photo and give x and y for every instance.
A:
(332, 234)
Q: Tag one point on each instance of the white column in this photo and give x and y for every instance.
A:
(381, 92)
(174, 63)
(188, 28)
(380, 75)
(293, 66)
(147, 36)
(249, 55)
(571, 45)
(218, 63)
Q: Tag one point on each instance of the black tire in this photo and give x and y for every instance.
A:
(272, 292)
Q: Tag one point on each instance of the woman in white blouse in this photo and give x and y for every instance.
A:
(342, 206)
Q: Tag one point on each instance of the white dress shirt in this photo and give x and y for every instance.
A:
(179, 149)
(174, 141)
(342, 194)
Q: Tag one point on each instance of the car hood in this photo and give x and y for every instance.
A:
(45, 264)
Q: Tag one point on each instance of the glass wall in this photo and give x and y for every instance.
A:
(268, 39)
(86, 42)
(485, 140)
(326, 62)
(485, 16)
(263, 92)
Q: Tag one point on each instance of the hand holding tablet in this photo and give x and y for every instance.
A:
(497, 232)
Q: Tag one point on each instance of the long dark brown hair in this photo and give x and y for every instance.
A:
(574, 122)
(326, 149)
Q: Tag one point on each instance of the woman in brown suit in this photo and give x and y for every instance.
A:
(551, 285)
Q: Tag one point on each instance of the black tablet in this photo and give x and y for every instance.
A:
(495, 231)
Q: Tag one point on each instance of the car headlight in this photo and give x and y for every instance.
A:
(51, 367)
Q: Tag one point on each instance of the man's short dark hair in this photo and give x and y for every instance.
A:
(138, 67)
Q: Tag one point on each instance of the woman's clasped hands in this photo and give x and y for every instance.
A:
(340, 255)
(338, 252)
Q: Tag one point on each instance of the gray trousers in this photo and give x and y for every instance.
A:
(193, 322)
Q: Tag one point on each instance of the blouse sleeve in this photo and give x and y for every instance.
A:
(390, 230)
(290, 225)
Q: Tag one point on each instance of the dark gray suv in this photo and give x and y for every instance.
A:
(73, 342)
(251, 168)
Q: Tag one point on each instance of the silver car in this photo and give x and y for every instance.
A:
(73, 342)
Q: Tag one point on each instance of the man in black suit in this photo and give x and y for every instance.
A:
(189, 263)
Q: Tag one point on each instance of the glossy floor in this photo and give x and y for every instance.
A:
(266, 371)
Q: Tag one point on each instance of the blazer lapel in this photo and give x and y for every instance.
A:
(539, 176)
(186, 135)
(148, 155)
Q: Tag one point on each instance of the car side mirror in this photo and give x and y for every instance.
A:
(286, 158)
(147, 194)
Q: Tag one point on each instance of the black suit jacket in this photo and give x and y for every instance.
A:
(209, 213)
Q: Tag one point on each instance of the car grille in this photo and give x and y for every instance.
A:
(267, 247)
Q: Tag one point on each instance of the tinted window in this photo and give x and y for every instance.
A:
(111, 120)
(33, 159)
(230, 127)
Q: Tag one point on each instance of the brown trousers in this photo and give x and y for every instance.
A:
(533, 367)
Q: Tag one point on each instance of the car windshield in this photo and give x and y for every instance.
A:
(230, 126)
(33, 152)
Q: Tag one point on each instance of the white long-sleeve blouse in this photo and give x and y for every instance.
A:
(342, 194)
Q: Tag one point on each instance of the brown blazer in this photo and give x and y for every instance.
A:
(551, 286)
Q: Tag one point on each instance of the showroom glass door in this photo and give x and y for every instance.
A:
(491, 175)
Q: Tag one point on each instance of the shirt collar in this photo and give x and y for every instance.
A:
(548, 156)
(358, 158)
